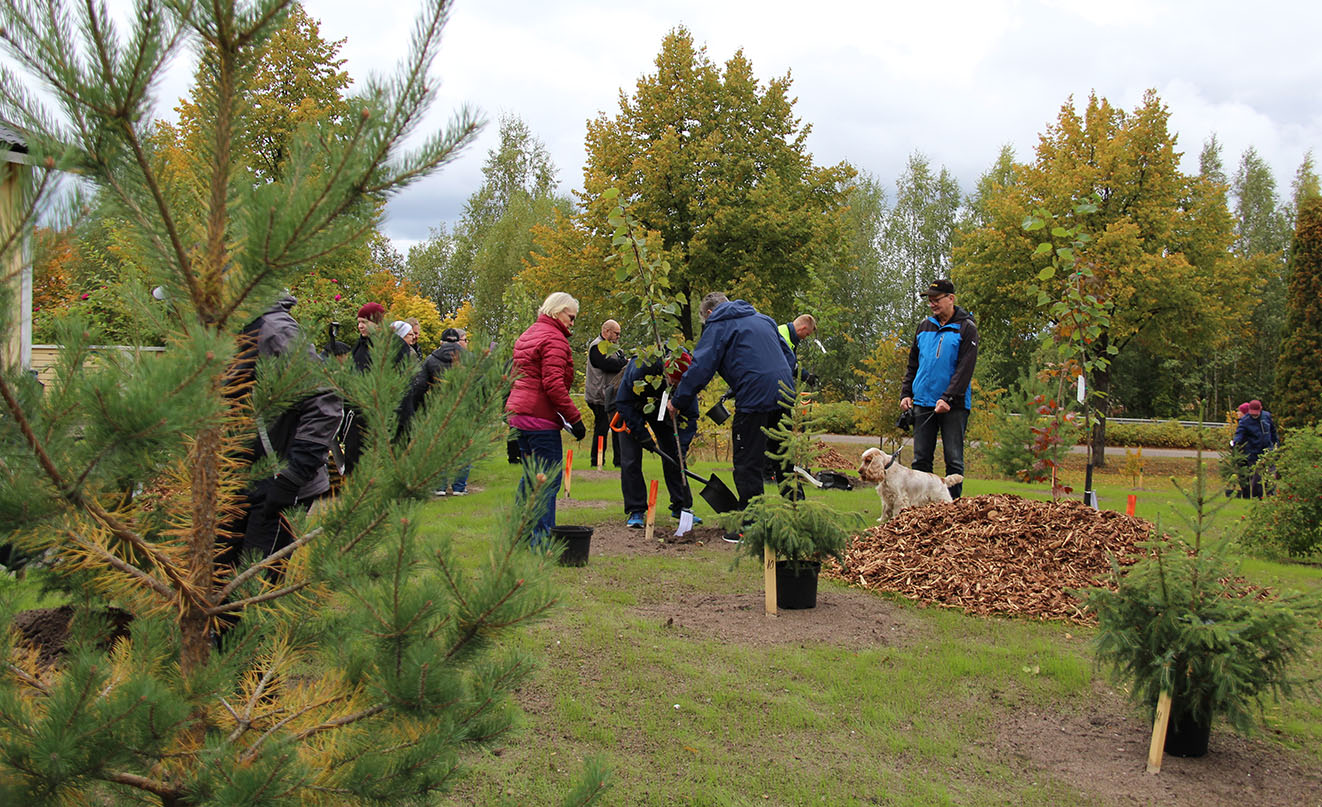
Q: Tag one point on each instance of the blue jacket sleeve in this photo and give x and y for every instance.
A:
(706, 358)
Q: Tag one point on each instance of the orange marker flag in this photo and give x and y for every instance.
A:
(1129, 508)
(651, 510)
(601, 451)
(569, 471)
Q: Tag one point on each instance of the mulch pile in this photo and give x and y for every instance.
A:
(995, 554)
(833, 460)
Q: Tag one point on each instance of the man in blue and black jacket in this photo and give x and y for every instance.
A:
(744, 347)
(636, 401)
(937, 383)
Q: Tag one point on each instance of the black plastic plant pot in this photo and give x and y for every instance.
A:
(577, 540)
(1186, 737)
(796, 584)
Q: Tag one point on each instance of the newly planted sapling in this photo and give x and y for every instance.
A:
(1080, 318)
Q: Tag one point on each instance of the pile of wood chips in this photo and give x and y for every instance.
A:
(995, 554)
(833, 460)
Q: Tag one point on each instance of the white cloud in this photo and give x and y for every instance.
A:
(955, 79)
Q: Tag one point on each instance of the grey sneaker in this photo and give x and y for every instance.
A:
(459, 493)
(440, 492)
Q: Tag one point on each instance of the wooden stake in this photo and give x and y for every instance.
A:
(769, 579)
(569, 471)
(601, 452)
(1158, 744)
(651, 511)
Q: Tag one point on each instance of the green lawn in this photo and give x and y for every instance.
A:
(681, 715)
(685, 717)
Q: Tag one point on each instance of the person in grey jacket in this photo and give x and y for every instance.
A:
(601, 381)
(300, 437)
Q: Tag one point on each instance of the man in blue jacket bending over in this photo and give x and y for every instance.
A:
(936, 384)
(745, 348)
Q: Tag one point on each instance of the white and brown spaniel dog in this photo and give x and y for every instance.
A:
(900, 487)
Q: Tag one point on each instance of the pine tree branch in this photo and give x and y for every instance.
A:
(266, 563)
(71, 495)
(27, 678)
(123, 117)
(363, 533)
(239, 605)
(482, 619)
(253, 750)
(124, 566)
(166, 792)
(340, 722)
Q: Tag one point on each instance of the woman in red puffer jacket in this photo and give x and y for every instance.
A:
(539, 405)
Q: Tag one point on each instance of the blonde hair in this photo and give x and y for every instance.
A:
(556, 302)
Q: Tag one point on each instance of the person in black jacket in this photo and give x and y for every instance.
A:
(300, 437)
(454, 344)
(370, 318)
(1255, 435)
(633, 407)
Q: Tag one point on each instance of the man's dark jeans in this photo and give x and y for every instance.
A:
(750, 451)
(542, 452)
(951, 426)
(601, 419)
(632, 485)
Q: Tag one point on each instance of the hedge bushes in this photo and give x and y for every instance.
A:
(844, 417)
(1167, 434)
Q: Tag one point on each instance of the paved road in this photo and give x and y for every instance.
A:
(1111, 451)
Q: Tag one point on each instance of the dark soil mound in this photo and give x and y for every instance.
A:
(46, 630)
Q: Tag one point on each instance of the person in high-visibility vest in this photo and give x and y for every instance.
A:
(803, 326)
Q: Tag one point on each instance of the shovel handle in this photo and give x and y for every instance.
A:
(687, 472)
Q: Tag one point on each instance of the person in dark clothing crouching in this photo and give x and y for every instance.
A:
(638, 410)
(299, 437)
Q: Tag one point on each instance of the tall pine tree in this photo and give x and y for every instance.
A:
(1299, 372)
(362, 664)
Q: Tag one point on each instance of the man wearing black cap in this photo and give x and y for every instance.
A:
(936, 385)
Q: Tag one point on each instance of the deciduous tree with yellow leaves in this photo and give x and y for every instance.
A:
(1160, 253)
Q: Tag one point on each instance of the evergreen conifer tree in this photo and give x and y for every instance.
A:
(1299, 371)
(361, 660)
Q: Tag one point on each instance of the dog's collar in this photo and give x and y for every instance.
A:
(893, 458)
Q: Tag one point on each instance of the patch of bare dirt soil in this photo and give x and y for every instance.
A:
(997, 554)
(46, 630)
(844, 618)
(613, 538)
(1103, 754)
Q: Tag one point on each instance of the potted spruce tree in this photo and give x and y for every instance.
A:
(799, 530)
(1182, 621)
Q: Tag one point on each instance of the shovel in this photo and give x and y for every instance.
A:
(714, 492)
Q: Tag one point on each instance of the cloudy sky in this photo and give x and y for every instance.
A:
(955, 79)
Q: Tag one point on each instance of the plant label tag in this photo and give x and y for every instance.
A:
(661, 407)
(685, 522)
(1081, 392)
